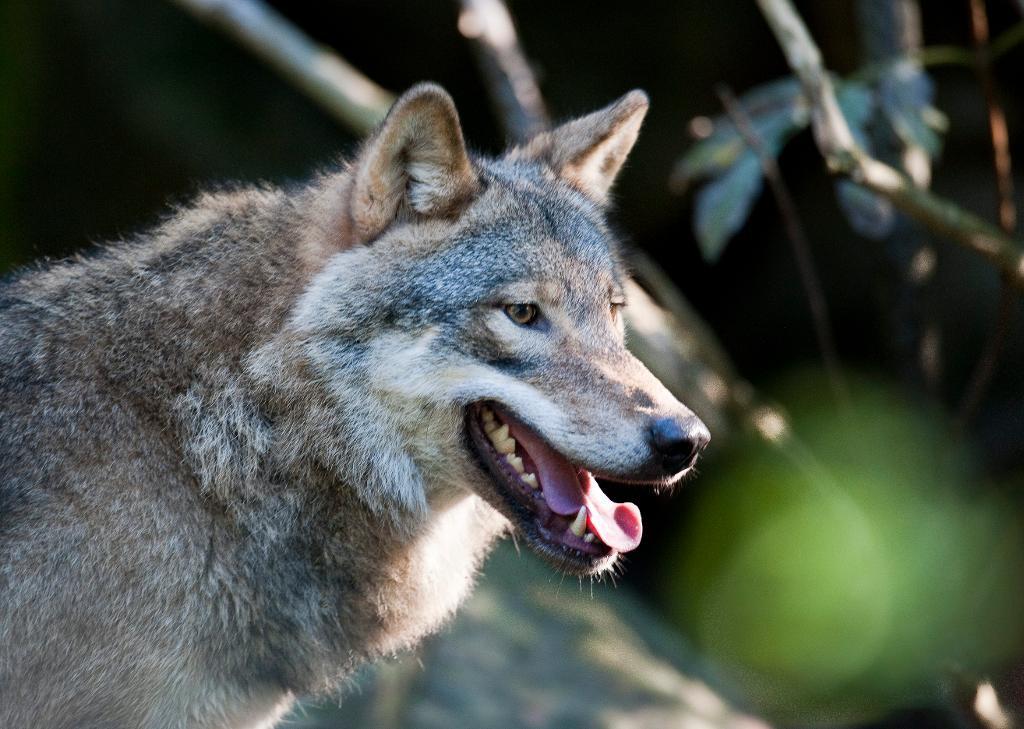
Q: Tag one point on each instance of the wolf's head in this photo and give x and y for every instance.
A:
(469, 338)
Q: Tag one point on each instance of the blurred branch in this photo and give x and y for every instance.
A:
(1007, 40)
(996, 119)
(842, 154)
(797, 237)
(890, 38)
(889, 29)
(951, 55)
(348, 95)
(957, 56)
(985, 368)
(944, 56)
(510, 79)
(1006, 210)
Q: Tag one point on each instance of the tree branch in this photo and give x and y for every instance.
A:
(510, 79)
(348, 95)
(797, 237)
(843, 156)
(950, 55)
(985, 369)
(1007, 210)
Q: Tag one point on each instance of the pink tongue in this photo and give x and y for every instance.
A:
(617, 525)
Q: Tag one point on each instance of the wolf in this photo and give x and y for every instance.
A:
(272, 439)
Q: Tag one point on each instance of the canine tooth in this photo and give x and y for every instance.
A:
(515, 461)
(499, 435)
(506, 446)
(488, 415)
(589, 537)
(579, 525)
(530, 480)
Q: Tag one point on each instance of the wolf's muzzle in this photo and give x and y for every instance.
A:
(678, 441)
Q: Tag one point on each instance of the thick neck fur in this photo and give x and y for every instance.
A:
(301, 579)
(368, 579)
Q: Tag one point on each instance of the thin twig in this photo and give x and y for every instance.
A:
(843, 156)
(797, 237)
(1007, 210)
(985, 368)
(348, 95)
(1007, 40)
(510, 79)
(958, 56)
(948, 55)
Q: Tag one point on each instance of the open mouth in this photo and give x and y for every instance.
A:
(558, 506)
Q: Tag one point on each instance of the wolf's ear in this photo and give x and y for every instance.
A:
(589, 152)
(416, 160)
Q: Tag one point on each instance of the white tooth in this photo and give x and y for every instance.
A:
(589, 537)
(530, 480)
(506, 446)
(579, 525)
(516, 462)
(498, 435)
(490, 426)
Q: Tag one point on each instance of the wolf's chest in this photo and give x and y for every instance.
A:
(423, 586)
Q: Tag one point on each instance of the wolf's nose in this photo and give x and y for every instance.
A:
(678, 441)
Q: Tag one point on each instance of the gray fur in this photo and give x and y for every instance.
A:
(232, 458)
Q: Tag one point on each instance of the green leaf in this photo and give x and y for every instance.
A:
(780, 95)
(869, 215)
(913, 131)
(777, 111)
(708, 157)
(723, 205)
(905, 95)
(857, 102)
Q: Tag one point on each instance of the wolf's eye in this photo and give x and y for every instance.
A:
(616, 306)
(522, 314)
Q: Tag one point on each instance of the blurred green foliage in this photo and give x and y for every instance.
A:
(836, 578)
